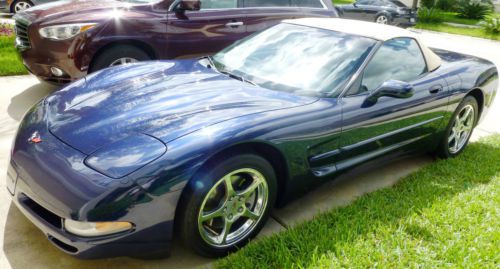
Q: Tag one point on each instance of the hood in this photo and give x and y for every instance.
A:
(71, 11)
(165, 100)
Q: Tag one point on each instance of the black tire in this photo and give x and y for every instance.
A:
(387, 19)
(443, 150)
(107, 57)
(13, 5)
(196, 191)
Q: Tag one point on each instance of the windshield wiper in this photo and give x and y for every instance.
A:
(231, 75)
(211, 64)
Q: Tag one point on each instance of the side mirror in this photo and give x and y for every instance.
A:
(391, 88)
(190, 5)
(355, 4)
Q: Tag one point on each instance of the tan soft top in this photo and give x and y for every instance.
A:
(372, 30)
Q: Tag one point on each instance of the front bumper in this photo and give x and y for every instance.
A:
(125, 244)
(405, 21)
(49, 183)
(39, 54)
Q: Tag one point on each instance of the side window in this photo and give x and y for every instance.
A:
(307, 3)
(397, 59)
(266, 3)
(363, 2)
(218, 4)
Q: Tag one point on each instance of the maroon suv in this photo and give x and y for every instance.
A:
(64, 41)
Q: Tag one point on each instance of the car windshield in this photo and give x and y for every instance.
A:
(299, 59)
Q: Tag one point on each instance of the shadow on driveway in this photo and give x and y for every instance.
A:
(22, 102)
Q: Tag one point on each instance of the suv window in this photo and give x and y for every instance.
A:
(307, 3)
(216, 4)
(266, 3)
(283, 3)
(364, 2)
(398, 59)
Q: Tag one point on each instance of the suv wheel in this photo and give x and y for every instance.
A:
(20, 5)
(118, 55)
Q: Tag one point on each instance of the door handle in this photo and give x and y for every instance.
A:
(234, 24)
(435, 89)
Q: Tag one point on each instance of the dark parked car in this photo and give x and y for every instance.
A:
(119, 162)
(391, 12)
(15, 6)
(65, 41)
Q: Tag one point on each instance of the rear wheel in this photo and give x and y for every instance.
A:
(459, 129)
(227, 205)
(20, 5)
(119, 55)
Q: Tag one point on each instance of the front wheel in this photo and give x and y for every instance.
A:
(227, 205)
(118, 55)
(459, 129)
(20, 5)
(382, 19)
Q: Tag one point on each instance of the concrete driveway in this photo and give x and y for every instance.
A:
(24, 246)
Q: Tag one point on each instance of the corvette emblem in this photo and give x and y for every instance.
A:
(35, 138)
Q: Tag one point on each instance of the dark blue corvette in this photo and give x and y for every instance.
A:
(117, 162)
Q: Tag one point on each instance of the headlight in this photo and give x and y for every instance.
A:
(92, 229)
(123, 157)
(67, 31)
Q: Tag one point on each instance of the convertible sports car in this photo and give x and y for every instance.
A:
(116, 163)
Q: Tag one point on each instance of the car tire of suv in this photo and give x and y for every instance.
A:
(444, 149)
(107, 57)
(26, 4)
(208, 194)
(382, 19)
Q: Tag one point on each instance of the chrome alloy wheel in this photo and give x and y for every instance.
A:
(461, 130)
(233, 207)
(382, 19)
(20, 6)
(123, 61)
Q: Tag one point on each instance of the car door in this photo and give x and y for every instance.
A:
(217, 25)
(355, 10)
(371, 129)
(373, 8)
(262, 14)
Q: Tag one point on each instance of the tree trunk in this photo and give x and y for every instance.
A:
(415, 4)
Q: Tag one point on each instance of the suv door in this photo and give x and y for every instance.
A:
(356, 10)
(373, 129)
(217, 25)
(262, 14)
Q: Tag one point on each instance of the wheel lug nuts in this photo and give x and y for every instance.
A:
(230, 216)
(240, 209)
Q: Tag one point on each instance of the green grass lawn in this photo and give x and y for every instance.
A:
(10, 62)
(446, 215)
(457, 30)
(342, 2)
(453, 17)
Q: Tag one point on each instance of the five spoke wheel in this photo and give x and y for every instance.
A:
(233, 207)
(461, 129)
(21, 5)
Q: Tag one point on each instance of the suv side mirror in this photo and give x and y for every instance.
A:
(391, 88)
(191, 5)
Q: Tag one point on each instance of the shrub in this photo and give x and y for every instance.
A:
(6, 29)
(474, 9)
(429, 15)
(447, 5)
(491, 25)
(427, 3)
